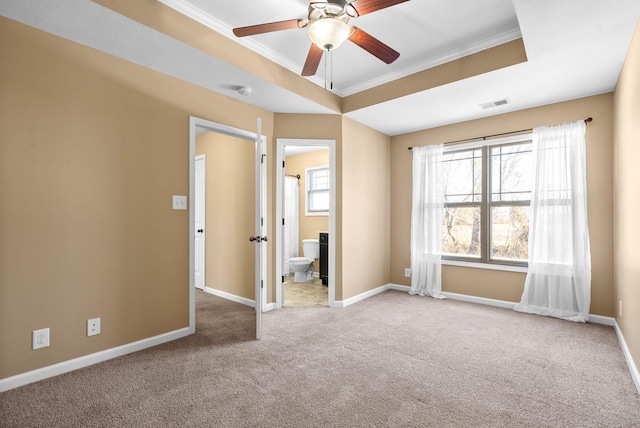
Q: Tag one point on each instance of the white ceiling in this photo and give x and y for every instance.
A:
(575, 48)
(460, 27)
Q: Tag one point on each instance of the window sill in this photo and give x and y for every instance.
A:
(489, 266)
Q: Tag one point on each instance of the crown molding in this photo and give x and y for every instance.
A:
(220, 27)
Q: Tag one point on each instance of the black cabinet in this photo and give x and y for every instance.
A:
(324, 258)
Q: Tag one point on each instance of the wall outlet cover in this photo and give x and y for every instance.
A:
(40, 338)
(407, 272)
(179, 202)
(93, 326)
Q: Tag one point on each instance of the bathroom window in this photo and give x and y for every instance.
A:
(486, 203)
(317, 201)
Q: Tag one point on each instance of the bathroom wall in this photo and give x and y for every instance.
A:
(310, 226)
(229, 213)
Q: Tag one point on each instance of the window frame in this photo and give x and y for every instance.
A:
(307, 174)
(486, 204)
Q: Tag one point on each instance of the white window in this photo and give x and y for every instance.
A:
(487, 193)
(317, 201)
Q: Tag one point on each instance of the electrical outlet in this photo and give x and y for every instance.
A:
(407, 272)
(40, 338)
(93, 326)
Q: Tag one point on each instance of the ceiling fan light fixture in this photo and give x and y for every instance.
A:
(328, 33)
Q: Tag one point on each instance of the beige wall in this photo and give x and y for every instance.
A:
(230, 213)
(627, 197)
(365, 209)
(310, 225)
(508, 285)
(156, 15)
(91, 150)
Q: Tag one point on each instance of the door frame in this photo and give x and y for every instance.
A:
(195, 122)
(280, 144)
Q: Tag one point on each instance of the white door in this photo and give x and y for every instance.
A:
(200, 221)
(260, 238)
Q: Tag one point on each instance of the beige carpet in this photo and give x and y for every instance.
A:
(311, 293)
(392, 360)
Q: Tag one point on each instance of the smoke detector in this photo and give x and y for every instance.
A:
(245, 91)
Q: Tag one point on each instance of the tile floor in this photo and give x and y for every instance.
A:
(311, 293)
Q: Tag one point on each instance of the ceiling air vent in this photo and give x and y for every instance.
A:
(495, 103)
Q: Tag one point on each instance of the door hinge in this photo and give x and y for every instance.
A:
(282, 278)
(283, 222)
(262, 158)
(261, 283)
(261, 221)
(283, 164)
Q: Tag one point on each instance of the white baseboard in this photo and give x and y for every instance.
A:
(627, 356)
(88, 360)
(360, 297)
(596, 319)
(229, 296)
(238, 299)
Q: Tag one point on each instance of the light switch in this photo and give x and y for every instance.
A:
(179, 202)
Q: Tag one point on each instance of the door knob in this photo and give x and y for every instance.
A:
(200, 230)
(253, 238)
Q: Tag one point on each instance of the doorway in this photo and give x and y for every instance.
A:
(328, 228)
(236, 181)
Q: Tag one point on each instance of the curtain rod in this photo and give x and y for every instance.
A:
(294, 176)
(587, 120)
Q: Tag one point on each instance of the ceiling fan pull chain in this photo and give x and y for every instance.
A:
(326, 58)
(331, 70)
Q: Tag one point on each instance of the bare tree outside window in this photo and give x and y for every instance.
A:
(462, 196)
(511, 184)
(490, 225)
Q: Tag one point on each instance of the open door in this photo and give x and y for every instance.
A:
(260, 237)
(198, 126)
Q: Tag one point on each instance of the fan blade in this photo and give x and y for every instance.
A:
(372, 45)
(313, 60)
(362, 7)
(252, 30)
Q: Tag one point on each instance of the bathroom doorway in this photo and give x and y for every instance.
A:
(306, 170)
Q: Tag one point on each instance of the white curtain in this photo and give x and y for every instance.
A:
(427, 210)
(291, 222)
(558, 282)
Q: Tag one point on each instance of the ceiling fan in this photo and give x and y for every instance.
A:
(328, 27)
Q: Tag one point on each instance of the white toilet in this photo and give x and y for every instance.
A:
(302, 267)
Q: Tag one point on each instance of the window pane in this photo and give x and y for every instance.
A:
(462, 173)
(319, 179)
(510, 233)
(319, 201)
(461, 231)
(511, 172)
